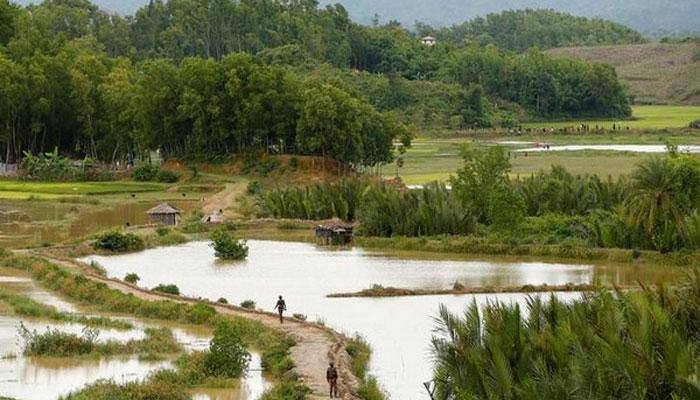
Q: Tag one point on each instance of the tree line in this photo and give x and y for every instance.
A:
(519, 30)
(196, 77)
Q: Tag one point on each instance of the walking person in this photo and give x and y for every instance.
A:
(281, 307)
(332, 378)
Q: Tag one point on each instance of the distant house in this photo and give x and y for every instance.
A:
(164, 214)
(428, 41)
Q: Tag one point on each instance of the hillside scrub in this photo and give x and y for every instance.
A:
(608, 345)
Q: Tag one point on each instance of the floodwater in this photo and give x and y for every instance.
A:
(399, 329)
(633, 148)
(46, 378)
(24, 222)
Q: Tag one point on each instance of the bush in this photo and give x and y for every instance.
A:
(56, 343)
(222, 300)
(108, 390)
(254, 188)
(145, 173)
(201, 313)
(294, 163)
(228, 248)
(300, 317)
(162, 230)
(132, 278)
(248, 304)
(118, 242)
(167, 176)
(169, 289)
(228, 356)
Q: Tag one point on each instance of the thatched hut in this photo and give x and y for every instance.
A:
(335, 232)
(164, 214)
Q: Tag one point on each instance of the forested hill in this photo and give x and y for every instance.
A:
(211, 78)
(522, 29)
(654, 17)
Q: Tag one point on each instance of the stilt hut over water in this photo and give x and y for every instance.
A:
(334, 232)
(164, 214)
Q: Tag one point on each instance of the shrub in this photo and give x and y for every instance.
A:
(201, 313)
(145, 173)
(294, 163)
(56, 343)
(287, 391)
(254, 188)
(222, 300)
(228, 248)
(132, 278)
(118, 242)
(169, 289)
(228, 356)
(153, 389)
(249, 304)
(162, 230)
(167, 176)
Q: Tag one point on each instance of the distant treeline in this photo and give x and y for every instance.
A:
(545, 29)
(103, 85)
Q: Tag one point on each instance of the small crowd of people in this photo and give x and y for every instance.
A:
(331, 372)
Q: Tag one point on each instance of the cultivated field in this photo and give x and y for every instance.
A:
(644, 117)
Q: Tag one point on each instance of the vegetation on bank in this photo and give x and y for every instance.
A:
(118, 242)
(458, 289)
(605, 345)
(275, 357)
(56, 343)
(26, 307)
(555, 212)
(360, 352)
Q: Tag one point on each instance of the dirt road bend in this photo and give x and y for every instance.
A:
(315, 347)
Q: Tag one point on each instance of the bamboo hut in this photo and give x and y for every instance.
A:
(164, 214)
(335, 232)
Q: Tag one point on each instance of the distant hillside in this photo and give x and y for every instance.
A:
(646, 16)
(523, 29)
(655, 73)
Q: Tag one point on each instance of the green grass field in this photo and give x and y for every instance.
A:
(13, 189)
(645, 117)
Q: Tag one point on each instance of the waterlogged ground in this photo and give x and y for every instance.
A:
(399, 329)
(47, 378)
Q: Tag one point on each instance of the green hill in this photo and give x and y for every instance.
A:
(655, 73)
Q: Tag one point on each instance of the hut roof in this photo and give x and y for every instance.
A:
(336, 224)
(163, 208)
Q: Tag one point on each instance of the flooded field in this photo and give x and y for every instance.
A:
(633, 148)
(47, 378)
(305, 274)
(23, 222)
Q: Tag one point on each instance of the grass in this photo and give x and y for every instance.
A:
(644, 117)
(77, 188)
(54, 343)
(26, 307)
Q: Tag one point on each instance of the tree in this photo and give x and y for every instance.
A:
(227, 356)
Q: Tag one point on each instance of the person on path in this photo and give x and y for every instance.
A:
(332, 378)
(281, 307)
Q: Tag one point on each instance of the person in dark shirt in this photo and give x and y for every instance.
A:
(281, 307)
(332, 378)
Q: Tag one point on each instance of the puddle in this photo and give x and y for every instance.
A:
(633, 148)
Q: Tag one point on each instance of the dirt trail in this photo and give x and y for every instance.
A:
(315, 345)
(225, 199)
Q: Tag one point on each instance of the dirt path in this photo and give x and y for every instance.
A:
(225, 199)
(315, 345)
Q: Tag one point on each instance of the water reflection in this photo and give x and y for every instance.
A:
(399, 329)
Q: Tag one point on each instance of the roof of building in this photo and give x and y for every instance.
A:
(164, 208)
(336, 224)
(428, 38)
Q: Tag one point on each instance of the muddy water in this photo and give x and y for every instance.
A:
(41, 222)
(399, 329)
(44, 378)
